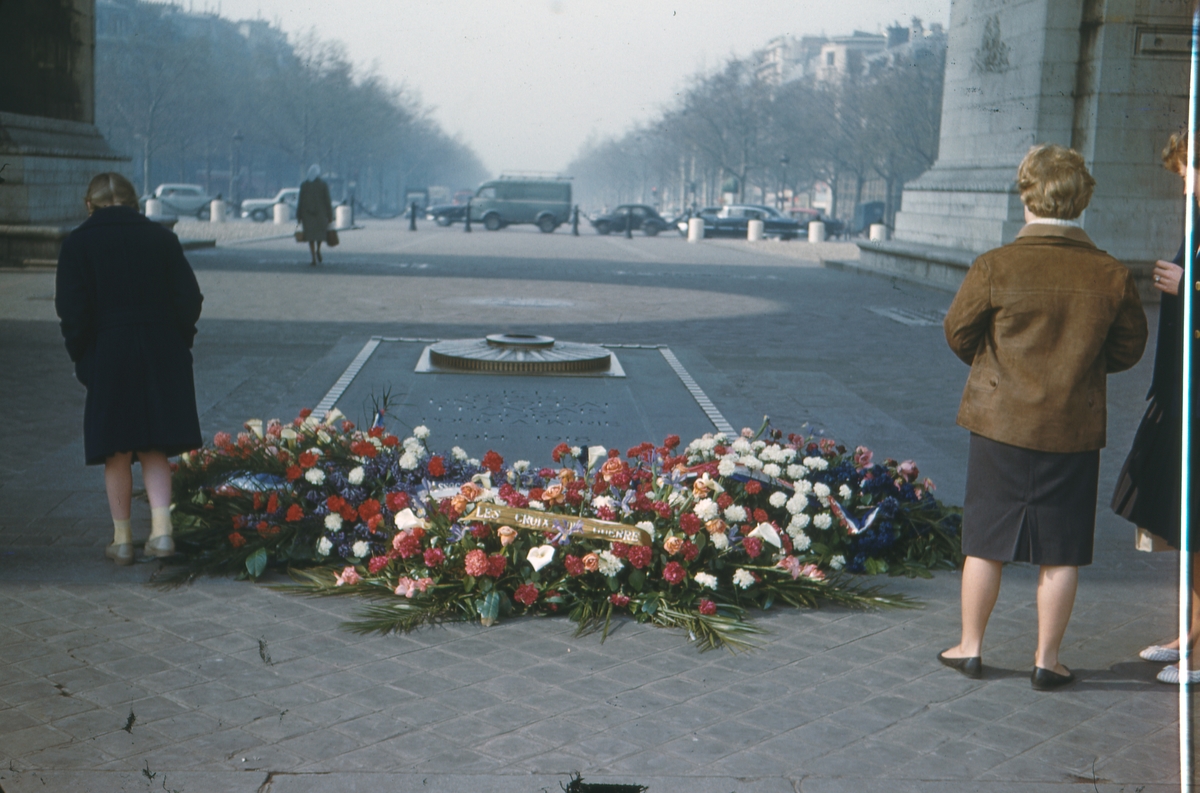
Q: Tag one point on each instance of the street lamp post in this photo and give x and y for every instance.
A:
(783, 164)
(235, 167)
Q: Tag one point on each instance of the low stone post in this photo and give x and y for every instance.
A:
(216, 211)
(282, 214)
(754, 230)
(412, 216)
(467, 223)
(878, 233)
(343, 218)
(695, 229)
(816, 231)
(575, 222)
(629, 223)
(154, 208)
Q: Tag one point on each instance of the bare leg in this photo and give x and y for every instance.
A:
(1055, 599)
(156, 474)
(312, 250)
(1194, 632)
(319, 251)
(118, 481)
(980, 588)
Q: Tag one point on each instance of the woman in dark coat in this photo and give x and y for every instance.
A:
(1147, 492)
(129, 302)
(314, 211)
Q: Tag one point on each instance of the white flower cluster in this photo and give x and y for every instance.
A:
(845, 492)
(800, 540)
(797, 504)
(360, 549)
(315, 476)
(726, 466)
(707, 580)
(720, 541)
(706, 509)
(821, 490)
(798, 522)
(816, 463)
(795, 471)
(771, 469)
(743, 579)
(333, 521)
(604, 501)
(355, 477)
(460, 454)
(735, 513)
(421, 432)
(742, 446)
(324, 546)
(823, 521)
(521, 466)
(777, 499)
(409, 460)
(609, 564)
(837, 562)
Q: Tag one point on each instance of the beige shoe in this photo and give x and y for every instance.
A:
(121, 553)
(160, 546)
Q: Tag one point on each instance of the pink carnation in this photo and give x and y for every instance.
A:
(476, 563)
(348, 576)
(408, 586)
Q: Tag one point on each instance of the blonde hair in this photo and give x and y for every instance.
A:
(107, 189)
(1175, 153)
(1054, 182)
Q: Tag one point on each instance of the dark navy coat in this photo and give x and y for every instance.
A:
(129, 302)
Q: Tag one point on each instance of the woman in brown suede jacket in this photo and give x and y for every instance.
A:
(1042, 321)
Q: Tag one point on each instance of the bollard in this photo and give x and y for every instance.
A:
(878, 233)
(629, 223)
(343, 216)
(575, 222)
(816, 231)
(754, 230)
(216, 211)
(282, 213)
(695, 229)
(467, 224)
(154, 208)
(412, 217)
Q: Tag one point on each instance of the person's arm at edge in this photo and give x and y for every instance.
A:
(970, 313)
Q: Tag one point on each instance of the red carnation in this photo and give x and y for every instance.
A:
(273, 502)
(674, 573)
(707, 607)
(369, 509)
(390, 441)
(761, 516)
(724, 500)
(436, 466)
(573, 564)
(496, 565)
(536, 493)
(690, 523)
(618, 600)
(376, 564)
(334, 502)
(621, 479)
(753, 487)
(397, 501)
(493, 462)
(347, 426)
(786, 542)
(308, 459)
(257, 501)
(295, 512)
(407, 544)
(481, 531)
(606, 513)
(363, 449)
(305, 412)
(671, 442)
(526, 594)
(374, 522)
(267, 530)
(545, 473)
(640, 555)
(476, 563)
(237, 540)
(434, 557)
(752, 546)
(663, 509)
(690, 550)
(620, 550)
(375, 432)
(559, 451)
(348, 513)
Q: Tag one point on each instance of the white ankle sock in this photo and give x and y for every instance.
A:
(160, 522)
(122, 533)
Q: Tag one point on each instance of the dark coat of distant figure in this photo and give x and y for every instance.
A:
(128, 302)
(314, 210)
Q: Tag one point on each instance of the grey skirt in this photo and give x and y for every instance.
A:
(1029, 506)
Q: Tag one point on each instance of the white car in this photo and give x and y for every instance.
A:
(182, 200)
(262, 209)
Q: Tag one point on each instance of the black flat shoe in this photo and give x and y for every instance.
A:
(972, 667)
(1049, 680)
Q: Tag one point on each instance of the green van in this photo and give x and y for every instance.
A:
(506, 201)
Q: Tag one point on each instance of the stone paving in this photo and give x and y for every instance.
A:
(108, 684)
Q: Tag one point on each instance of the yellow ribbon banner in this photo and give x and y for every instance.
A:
(535, 520)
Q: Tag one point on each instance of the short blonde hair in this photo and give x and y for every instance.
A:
(107, 189)
(1175, 153)
(1054, 182)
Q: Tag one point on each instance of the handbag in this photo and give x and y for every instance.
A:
(299, 235)
(331, 238)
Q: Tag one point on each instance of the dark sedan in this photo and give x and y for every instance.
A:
(733, 220)
(833, 227)
(637, 216)
(445, 214)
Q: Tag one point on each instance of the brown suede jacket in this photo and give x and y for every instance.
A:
(1041, 321)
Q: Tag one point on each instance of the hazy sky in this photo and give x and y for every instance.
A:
(525, 82)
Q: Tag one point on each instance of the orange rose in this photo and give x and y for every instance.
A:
(470, 491)
(460, 504)
(611, 467)
(673, 545)
(507, 535)
(716, 526)
(699, 489)
(591, 563)
(553, 494)
(566, 476)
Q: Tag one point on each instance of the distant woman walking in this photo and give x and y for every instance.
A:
(314, 211)
(128, 304)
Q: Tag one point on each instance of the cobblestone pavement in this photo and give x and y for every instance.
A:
(107, 684)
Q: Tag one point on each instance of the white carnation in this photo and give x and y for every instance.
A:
(821, 464)
(823, 521)
(720, 437)
(798, 522)
(743, 579)
(421, 432)
(706, 509)
(411, 444)
(795, 471)
(408, 461)
(771, 469)
(803, 486)
(720, 541)
(473, 462)
(459, 453)
(603, 501)
(535, 504)
(576, 451)
(797, 504)
(800, 540)
(751, 462)
(845, 492)
(726, 467)
(677, 498)
(609, 564)
(706, 580)
(324, 546)
(820, 490)
(735, 513)
(355, 477)
(315, 475)
(777, 499)
(333, 521)
(837, 562)
(360, 549)
(646, 526)
(741, 446)
(521, 466)
(787, 454)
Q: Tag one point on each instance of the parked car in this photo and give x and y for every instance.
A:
(866, 214)
(733, 220)
(262, 209)
(181, 199)
(637, 216)
(833, 226)
(511, 200)
(445, 214)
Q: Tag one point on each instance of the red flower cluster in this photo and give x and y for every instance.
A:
(559, 451)
(397, 501)
(674, 573)
(376, 564)
(690, 550)
(640, 556)
(342, 507)
(363, 449)
(308, 459)
(690, 523)
(526, 594)
(707, 607)
(574, 565)
(237, 540)
(724, 501)
(606, 513)
(497, 563)
(434, 557)
(761, 516)
(752, 546)
(294, 472)
(407, 544)
(753, 487)
(295, 512)
(620, 550)
(493, 462)
(618, 600)
(436, 466)
(481, 531)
